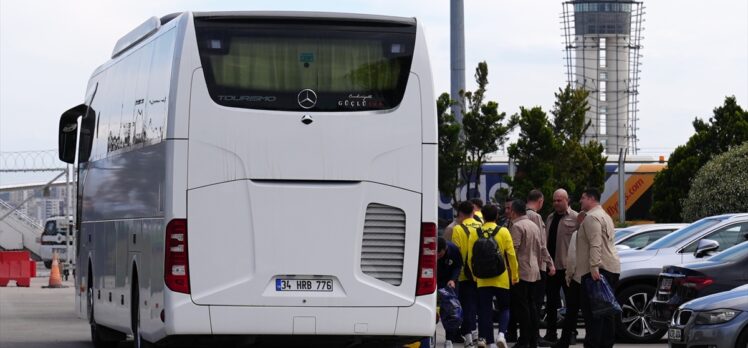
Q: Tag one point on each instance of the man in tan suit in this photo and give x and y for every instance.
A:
(526, 237)
(547, 268)
(596, 257)
(559, 227)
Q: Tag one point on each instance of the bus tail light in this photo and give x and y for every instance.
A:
(427, 260)
(176, 262)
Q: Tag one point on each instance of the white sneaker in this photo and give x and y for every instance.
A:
(448, 344)
(482, 343)
(492, 345)
(469, 341)
(501, 341)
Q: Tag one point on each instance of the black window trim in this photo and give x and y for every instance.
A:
(270, 23)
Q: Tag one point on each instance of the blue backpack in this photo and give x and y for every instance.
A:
(450, 310)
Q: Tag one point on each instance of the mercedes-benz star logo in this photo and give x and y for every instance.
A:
(307, 98)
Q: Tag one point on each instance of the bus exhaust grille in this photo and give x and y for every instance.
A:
(383, 247)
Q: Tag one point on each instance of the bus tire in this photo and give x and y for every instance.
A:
(101, 336)
(139, 342)
(48, 264)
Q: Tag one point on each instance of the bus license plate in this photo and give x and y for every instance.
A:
(314, 285)
(675, 334)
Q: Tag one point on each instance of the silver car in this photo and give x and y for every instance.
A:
(639, 236)
(718, 320)
(640, 268)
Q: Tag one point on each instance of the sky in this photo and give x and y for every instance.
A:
(694, 54)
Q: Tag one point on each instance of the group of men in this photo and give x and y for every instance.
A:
(540, 258)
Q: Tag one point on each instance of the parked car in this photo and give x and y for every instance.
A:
(639, 236)
(718, 320)
(679, 284)
(640, 268)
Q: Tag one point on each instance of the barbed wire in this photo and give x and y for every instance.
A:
(30, 161)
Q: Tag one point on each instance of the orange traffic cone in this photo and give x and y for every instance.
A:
(55, 280)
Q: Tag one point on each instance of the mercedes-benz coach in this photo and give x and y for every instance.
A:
(249, 175)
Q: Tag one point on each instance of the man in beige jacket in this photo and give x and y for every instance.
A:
(545, 261)
(596, 257)
(526, 239)
(559, 227)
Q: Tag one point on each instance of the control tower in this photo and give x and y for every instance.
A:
(602, 42)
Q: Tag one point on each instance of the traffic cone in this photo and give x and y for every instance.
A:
(55, 280)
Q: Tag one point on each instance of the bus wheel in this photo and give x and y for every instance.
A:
(101, 336)
(48, 264)
(135, 317)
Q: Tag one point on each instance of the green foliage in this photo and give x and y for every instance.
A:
(569, 112)
(483, 126)
(451, 148)
(728, 127)
(720, 186)
(549, 154)
(534, 153)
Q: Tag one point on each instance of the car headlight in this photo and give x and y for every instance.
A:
(717, 316)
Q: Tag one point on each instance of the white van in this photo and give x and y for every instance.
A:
(244, 175)
(54, 239)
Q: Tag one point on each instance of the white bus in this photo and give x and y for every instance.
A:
(247, 175)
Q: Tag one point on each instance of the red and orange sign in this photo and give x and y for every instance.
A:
(636, 185)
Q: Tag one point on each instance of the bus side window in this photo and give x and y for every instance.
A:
(159, 80)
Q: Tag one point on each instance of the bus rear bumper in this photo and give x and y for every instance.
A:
(418, 320)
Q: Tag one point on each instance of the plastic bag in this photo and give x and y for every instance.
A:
(451, 310)
(602, 299)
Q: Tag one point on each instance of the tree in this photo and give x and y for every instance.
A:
(550, 155)
(580, 165)
(720, 186)
(534, 153)
(483, 126)
(728, 127)
(451, 148)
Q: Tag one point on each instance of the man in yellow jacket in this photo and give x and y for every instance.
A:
(494, 287)
(466, 291)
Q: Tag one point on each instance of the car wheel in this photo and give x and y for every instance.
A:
(635, 324)
(743, 339)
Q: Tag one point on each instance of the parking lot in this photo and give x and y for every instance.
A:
(35, 317)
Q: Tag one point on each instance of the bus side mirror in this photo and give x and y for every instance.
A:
(704, 247)
(68, 133)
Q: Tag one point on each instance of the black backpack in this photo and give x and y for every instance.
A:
(487, 261)
(465, 264)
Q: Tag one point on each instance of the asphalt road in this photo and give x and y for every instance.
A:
(41, 318)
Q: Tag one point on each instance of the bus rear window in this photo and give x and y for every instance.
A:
(298, 67)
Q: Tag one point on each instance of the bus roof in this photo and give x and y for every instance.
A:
(352, 17)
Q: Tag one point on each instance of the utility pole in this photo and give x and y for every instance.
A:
(457, 55)
(622, 185)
